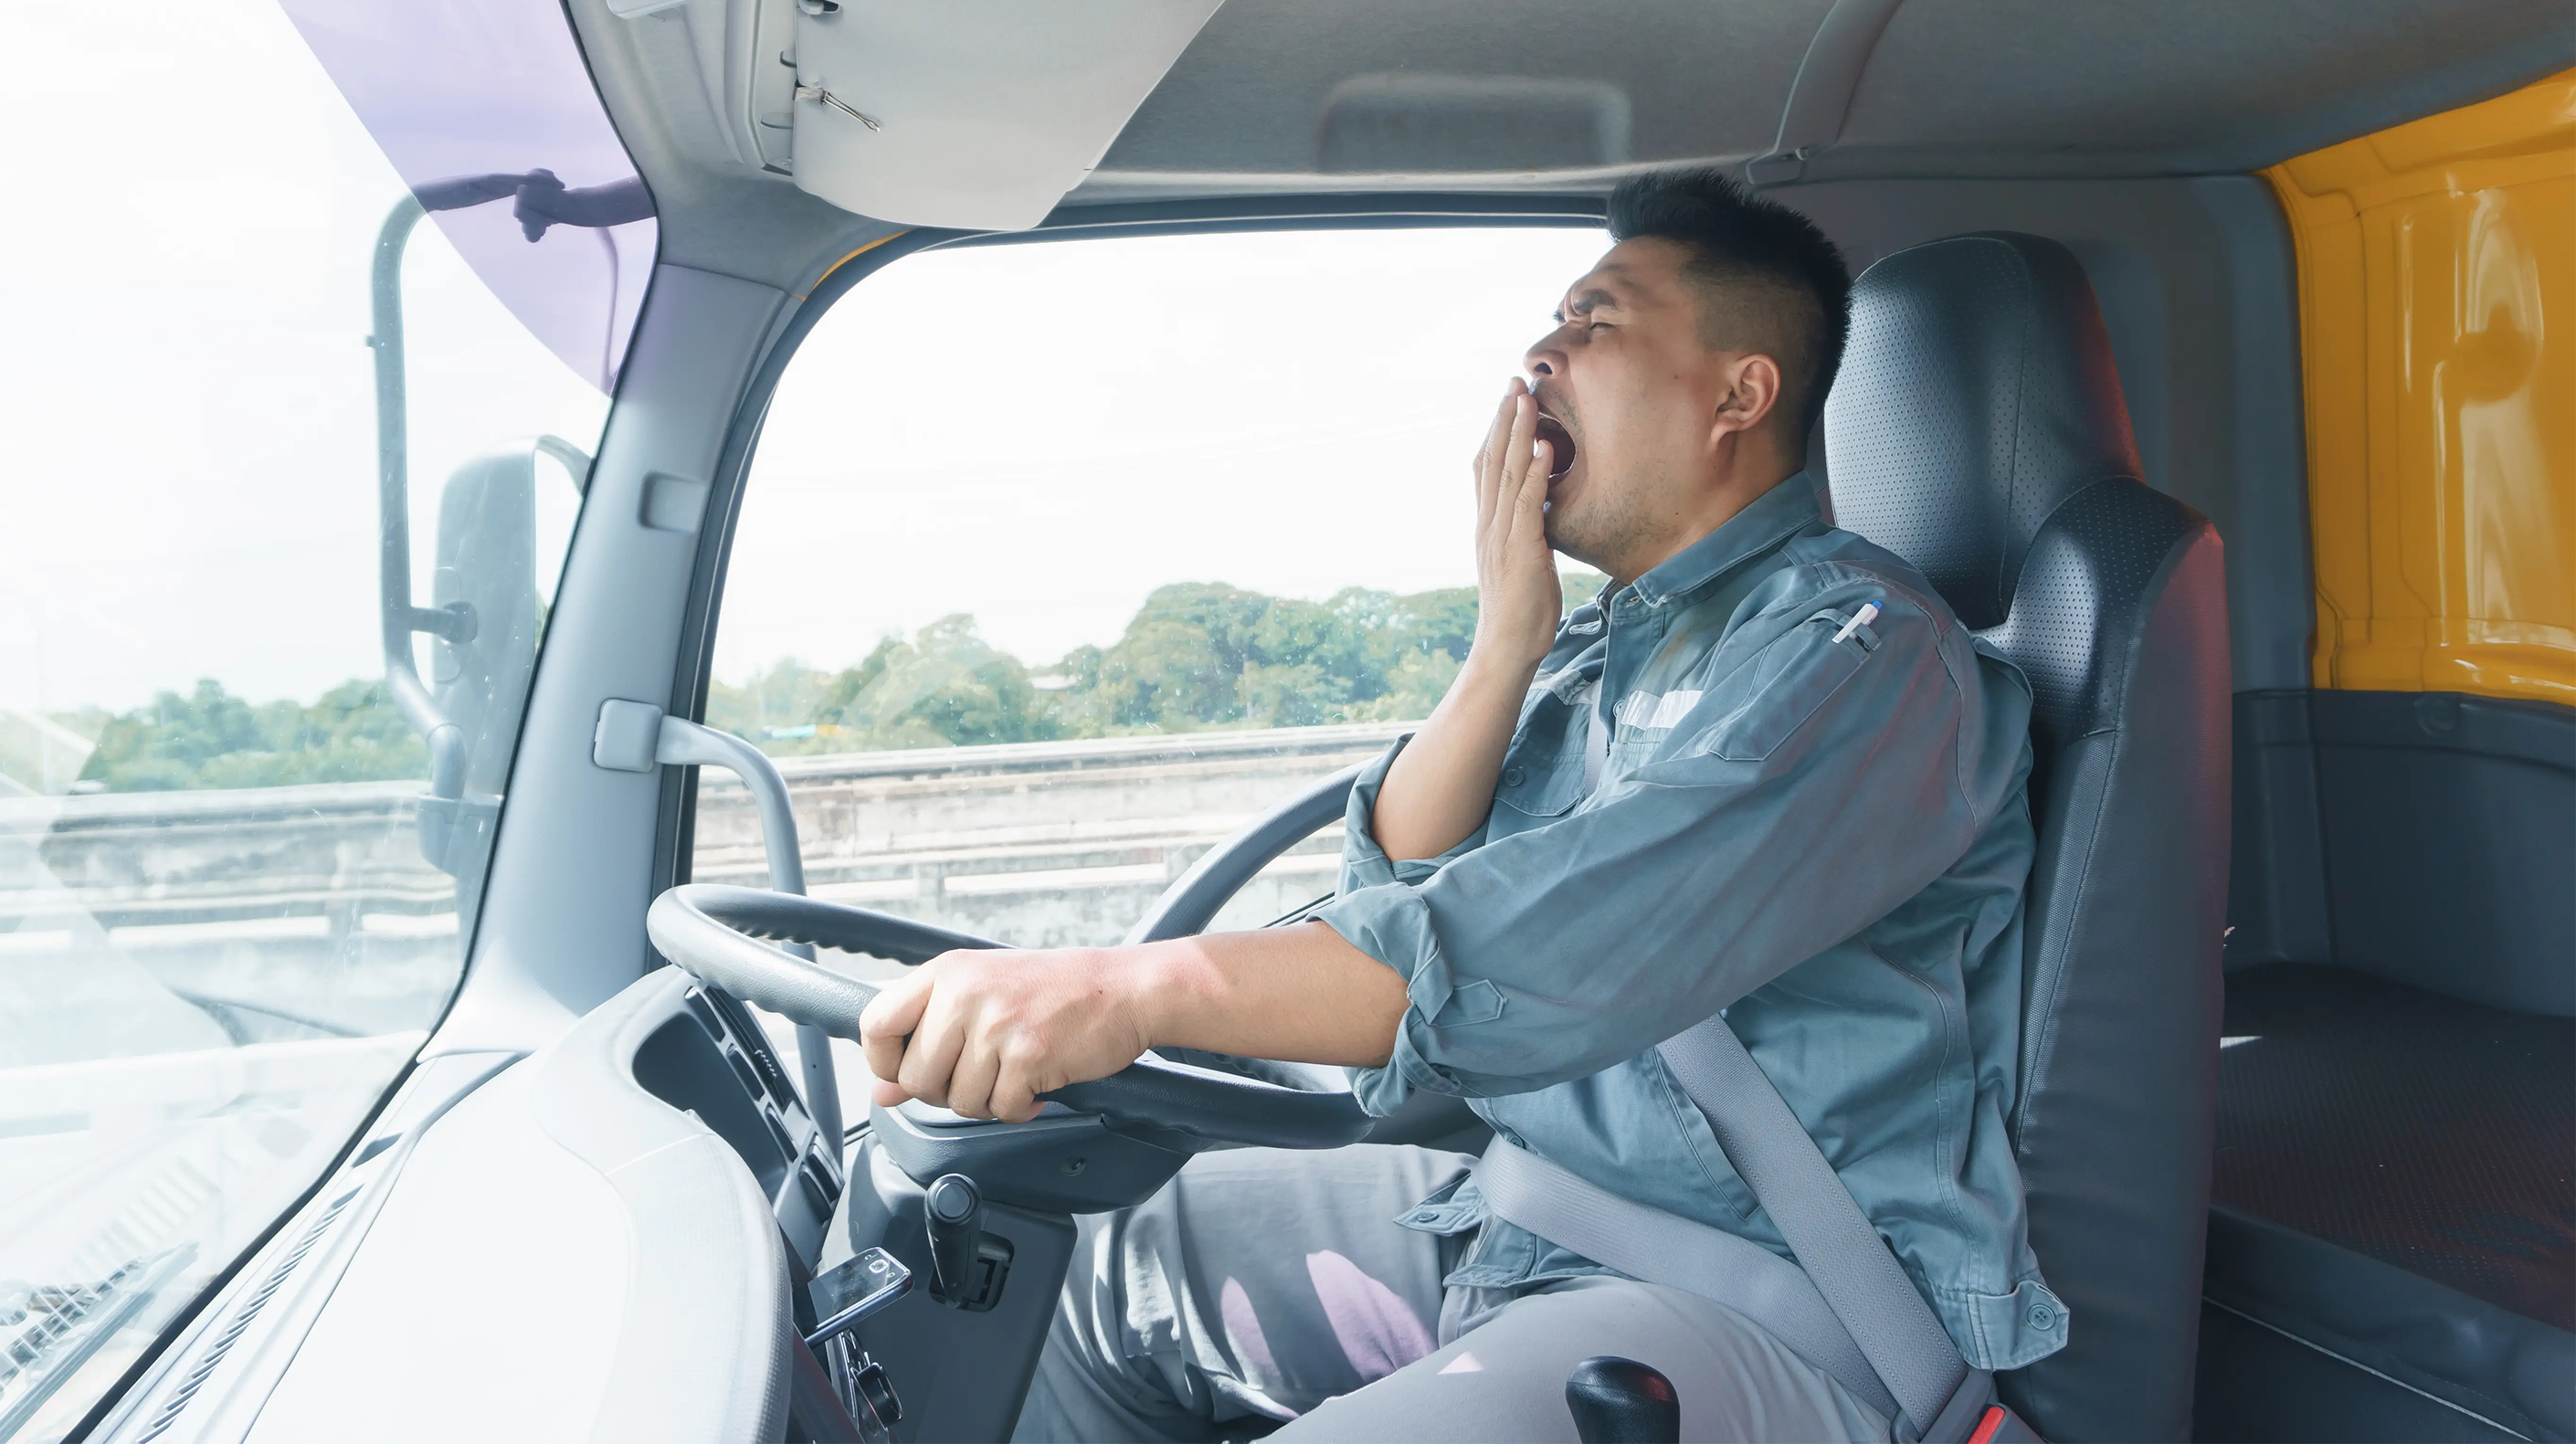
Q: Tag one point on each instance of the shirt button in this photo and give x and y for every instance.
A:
(1426, 1216)
(1512, 776)
(2041, 1316)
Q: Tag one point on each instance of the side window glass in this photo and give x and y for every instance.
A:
(1061, 561)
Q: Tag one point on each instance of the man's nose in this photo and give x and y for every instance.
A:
(1543, 359)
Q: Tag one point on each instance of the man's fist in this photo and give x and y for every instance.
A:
(984, 1033)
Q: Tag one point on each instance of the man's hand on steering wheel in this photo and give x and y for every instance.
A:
(983, 1033)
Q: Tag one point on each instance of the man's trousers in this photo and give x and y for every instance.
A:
(1264, 1284)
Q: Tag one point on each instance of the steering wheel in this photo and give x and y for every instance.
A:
(729, 936)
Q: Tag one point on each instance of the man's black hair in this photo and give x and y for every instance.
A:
(1738, 240)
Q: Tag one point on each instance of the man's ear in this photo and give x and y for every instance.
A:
(1750, 395)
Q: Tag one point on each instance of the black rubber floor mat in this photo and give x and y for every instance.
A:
(2432, 1134)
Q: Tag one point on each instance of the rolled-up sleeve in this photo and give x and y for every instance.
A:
(1375, 909)
(1364, 863)
(1797, 799)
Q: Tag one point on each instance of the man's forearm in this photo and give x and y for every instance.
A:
(1300, 994)
(1442, 784)
(988, 1032)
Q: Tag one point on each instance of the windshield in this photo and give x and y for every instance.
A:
(270, 597)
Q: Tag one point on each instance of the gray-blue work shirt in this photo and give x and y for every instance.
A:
(1818, 828)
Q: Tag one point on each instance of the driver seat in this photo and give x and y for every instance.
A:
(1977, 430)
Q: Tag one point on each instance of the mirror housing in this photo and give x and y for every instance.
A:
(483, 624)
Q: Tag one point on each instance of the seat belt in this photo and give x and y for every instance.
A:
(1877, 1336)
(1666, 1248)
(1853, 1268)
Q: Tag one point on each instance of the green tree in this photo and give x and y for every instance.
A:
(1178, 667)
(162, 747)
(1196, 655)
(1204, 654)
(208, 737)
(950, 687)
(352, 733)
(783, 696)
(947, 687)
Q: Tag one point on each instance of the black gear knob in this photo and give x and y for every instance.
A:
(953, 1216)
(1620, 1401)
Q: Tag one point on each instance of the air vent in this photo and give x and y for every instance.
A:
(706, 1012)
(755, 1044)
(750, 1075)
(778, 1131)
(820, 1186)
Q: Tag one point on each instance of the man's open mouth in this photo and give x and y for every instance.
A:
(1560, 445)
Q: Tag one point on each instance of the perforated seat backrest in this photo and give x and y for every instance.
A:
(1977, 429)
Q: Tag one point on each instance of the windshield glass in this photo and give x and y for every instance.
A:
(244, 802)
(1061, 561)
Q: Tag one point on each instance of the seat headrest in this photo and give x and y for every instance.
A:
(1978, 392)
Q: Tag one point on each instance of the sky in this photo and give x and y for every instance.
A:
(1037, 434)
(1041, 434)
(187, 445)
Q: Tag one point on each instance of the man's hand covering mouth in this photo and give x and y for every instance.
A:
(1560, 444)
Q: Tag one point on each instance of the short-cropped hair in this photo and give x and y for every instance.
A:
(1768, 279)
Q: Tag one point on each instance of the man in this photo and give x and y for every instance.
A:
(1766, 772)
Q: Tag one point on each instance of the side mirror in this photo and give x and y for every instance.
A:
(483, 623)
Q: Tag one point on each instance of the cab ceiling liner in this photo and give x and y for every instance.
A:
(1338, 98)
(1303, 95)
(972, 114)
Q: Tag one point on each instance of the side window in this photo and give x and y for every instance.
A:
(257, 696)
(1061, 561)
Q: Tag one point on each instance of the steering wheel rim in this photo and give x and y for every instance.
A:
(1195, 897)
(729, 937)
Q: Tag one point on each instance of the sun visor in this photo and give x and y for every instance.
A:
(975, 114)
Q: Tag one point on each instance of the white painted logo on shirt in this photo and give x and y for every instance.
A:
(1649, 711)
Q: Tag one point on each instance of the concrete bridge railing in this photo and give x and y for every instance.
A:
(308, 911)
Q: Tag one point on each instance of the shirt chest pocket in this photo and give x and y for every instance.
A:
(1798, 674)
(1541, 786)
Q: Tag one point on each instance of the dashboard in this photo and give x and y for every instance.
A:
(712, 1061)
(598, 1240)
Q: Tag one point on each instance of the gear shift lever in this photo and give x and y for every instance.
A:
(1620, 1401)
(952, 1213)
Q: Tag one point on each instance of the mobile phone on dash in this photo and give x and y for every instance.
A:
(847, 1293)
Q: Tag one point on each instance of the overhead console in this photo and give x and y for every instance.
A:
(972, 114)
